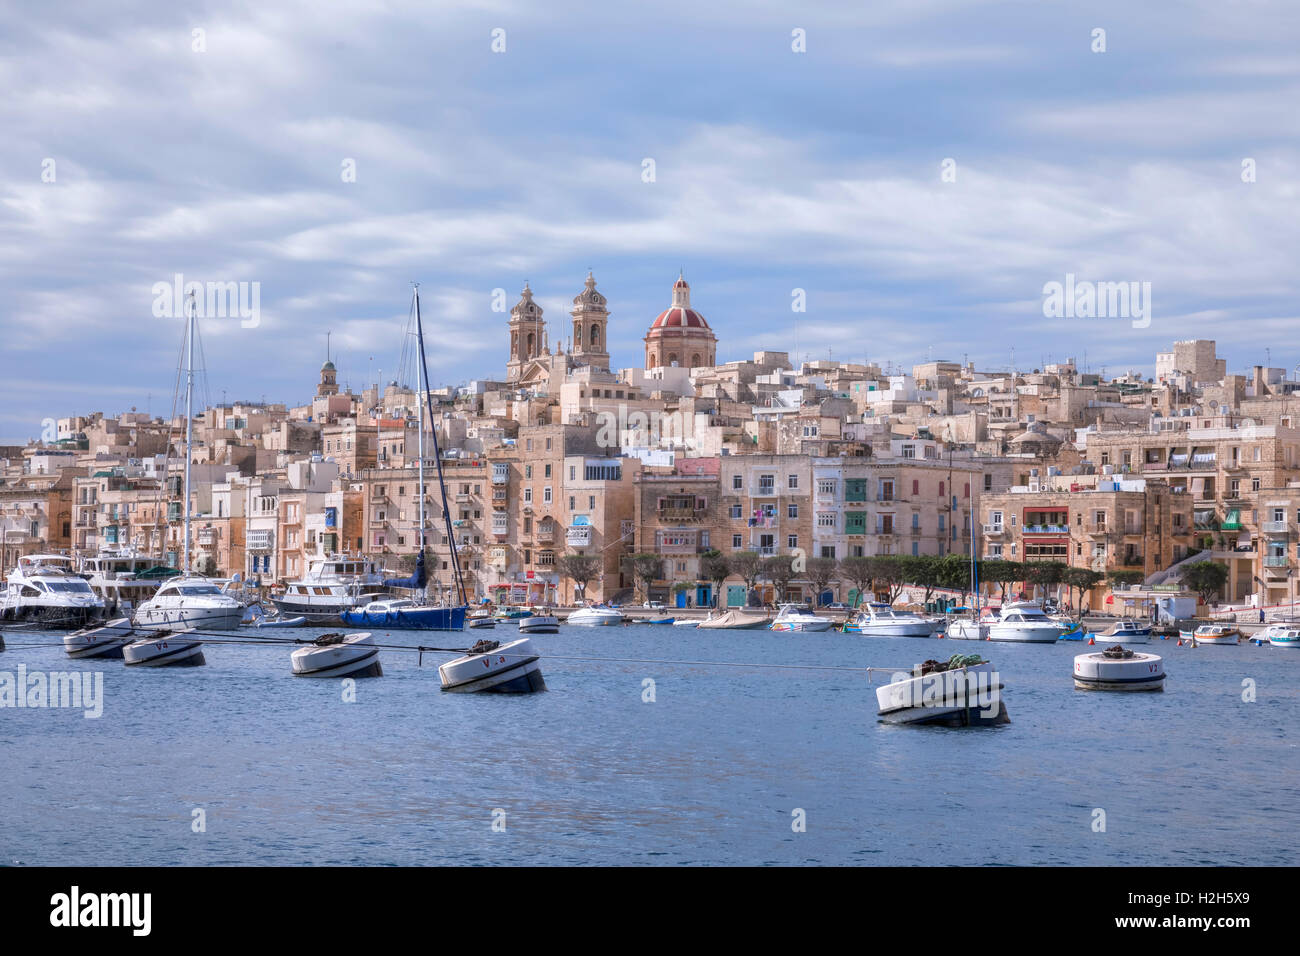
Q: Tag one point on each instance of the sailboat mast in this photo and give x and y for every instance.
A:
(189, 423)
(419, 377)
(437, 460)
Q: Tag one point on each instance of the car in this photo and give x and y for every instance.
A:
(653, 605)
(837, 606)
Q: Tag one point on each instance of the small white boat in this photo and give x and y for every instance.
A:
(967, 629)
(1024, 622)
(1285, 638)
(736, 620)
(539, 624)
(1216, 634)
(164, 649)
(107, 640)
(799, 617)
(1127, 631)
(1117, 668)
(338, 655)
(190, 601)
(481, 621)
(595, 617)
(494, 667)
(963, 691)
(686, 622)
(882, 620)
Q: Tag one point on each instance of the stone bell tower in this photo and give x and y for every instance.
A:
(527, 334)
(590, 326)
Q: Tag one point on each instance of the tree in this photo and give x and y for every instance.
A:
(954, 573)
(206, 565)
(715, 567)
(748, 566)
(1001, 572)
(1120, 579)
(888, 569)
(779, 570)
(1206, 578)
(922, 570)
(579, 568)
(1044, 574)
(645, 570)
(1081, 579)
(859, 571)
(820, 572)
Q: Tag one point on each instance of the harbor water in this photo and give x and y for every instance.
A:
(239, 762)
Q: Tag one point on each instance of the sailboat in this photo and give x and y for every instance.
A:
(188, 601)
(405, 613)
(970, 628)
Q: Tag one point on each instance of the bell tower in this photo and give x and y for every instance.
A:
(527, 334)
(590, 326)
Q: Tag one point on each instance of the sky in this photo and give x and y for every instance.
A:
(920, 170)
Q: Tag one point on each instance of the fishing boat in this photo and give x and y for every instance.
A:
(1024, 622)
(964, 691)
(595, 616)
(736, 620)
(1290, 637)
(882, 620)
(406, 614)
(1128, 631)
(539, 624)
(338, 655)
(165, 649)
(1216, 634)
(46, 589)
(510, 668)
(106, 640)
(799, 617)
(1117, 668)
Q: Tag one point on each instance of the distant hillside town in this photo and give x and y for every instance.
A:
(687, 464)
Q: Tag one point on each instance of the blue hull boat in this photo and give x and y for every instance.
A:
(407, 618)
(281, 622)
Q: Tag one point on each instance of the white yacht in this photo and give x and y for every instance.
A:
(594, 616)
(331, 586)
(190, 601)
(114, 575)
(881, 620)
(798, 617)
(1285, 637)
(1024, 622)
(969, 628)
(46, 589)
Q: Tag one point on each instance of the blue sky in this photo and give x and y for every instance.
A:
(775, 170)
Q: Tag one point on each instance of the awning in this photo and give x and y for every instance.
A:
(1233, 521)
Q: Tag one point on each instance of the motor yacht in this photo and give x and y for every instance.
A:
(882, 620)
(1024, 622)
(798, 617)
(45, 589)
(190, 601)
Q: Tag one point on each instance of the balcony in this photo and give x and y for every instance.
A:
(992, 529)
(462, 499)
(1276, 561)
(500, 477)
(208, 536)
(1098, 528)
(545, 535)
(578, 537)
(765, 491)
(677, 514)
(1276, 527)
(1047, 529)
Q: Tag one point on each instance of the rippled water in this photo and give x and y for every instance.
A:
(287, 773)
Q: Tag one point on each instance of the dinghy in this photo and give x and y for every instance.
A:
(964, 691)
(298, 621)
(496, 668)
(539, 624)
(735, 620)
(105, 641)
(164, 649)
(686, 622)
(338, 655)
(1117, 668)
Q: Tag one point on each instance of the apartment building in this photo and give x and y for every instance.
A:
(677, 516)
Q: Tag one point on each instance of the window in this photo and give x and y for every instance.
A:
(792, 510)
(571, 504)
(573, 472)
(794, 481)
(737, 482)
(735, 541)
(591, 502)
(826, 519)
(546, 495)
(792, 541)
(735, 511)
(828, 551)
(548, 446)
(1254, 484)
(766, 484)
(548, 467)
(528, 496)
(826, 486)
(528, 471)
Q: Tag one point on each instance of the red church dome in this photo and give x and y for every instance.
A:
(678, 318)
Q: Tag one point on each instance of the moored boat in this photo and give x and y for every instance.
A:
(403, 614)
(1118, 668)
(1217, 634)
(798, 617)
(882, 620)
(338, 655)
(1290, 637)
(165, 649)
(736, 620)
(1024, 622)
(45, 588)
(490, 666)
(964, 691)
(190, 601)
(966, 629)
(539, 624)
(595, 616)
(106, 640)
(1127, 631)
